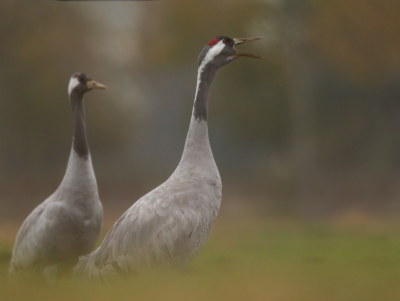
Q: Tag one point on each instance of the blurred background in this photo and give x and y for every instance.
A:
(311, 133)
(314, 129)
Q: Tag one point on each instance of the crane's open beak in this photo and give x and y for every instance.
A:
(95, 85)
(239, 41)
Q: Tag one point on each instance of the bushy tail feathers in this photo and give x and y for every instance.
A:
(86, 268)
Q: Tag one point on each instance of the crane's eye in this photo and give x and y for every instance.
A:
(225, 41)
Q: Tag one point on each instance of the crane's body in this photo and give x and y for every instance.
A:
(168, 226)
(67, 224)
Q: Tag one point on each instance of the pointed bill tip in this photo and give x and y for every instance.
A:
(239, 41)
(95, 85)
(240, 54)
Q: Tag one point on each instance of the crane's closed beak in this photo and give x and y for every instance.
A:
(95, 85)
(239, 41)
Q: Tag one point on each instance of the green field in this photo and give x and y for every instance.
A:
(260, 259)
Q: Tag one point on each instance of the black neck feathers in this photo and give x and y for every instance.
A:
(80, 144)
(205, 77)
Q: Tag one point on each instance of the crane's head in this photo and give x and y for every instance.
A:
(221, 51)
(81, 83)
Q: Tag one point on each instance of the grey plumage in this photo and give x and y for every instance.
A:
(67, 224)
(168, 226)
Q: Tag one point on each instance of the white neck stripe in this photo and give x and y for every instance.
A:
(72, 84)
(211, 54)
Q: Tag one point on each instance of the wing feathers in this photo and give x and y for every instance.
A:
(162, 228)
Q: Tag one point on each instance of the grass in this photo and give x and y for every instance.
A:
(258, 259)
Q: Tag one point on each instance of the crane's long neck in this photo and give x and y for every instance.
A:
(79, 179)
(80, 144)
(197, 149)
(205, 77)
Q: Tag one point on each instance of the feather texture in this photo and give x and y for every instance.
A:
(62, 228)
